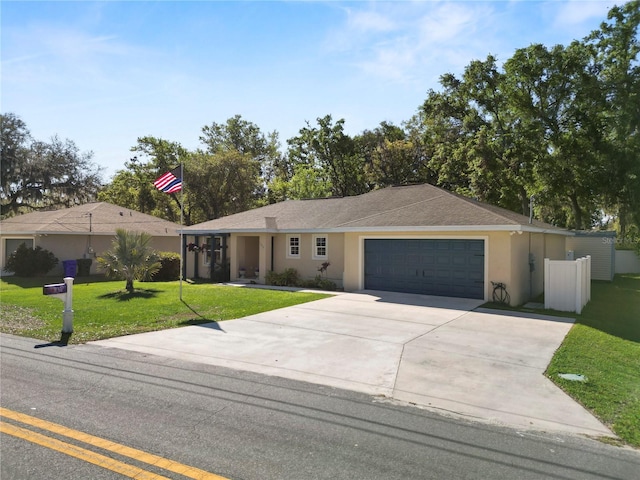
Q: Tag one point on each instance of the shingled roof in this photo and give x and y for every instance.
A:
(408, 208)
(96, 218)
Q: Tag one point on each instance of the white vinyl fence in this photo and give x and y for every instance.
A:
(627, 261)
(567, 284)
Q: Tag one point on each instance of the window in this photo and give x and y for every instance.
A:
(293, 246)
(12, 244)
(211, 250)
(320, 244)
(206, 252)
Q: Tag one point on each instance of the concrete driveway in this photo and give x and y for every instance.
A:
(435, 352)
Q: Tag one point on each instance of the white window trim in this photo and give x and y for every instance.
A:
(289, 254)
(314, 247)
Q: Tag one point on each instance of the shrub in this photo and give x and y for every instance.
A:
(319, 282)
(169, 269)
(288, 278)
(29, 262)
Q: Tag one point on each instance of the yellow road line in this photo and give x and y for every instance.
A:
(149, 458)
(81, 453)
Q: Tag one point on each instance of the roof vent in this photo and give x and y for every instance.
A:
(271, 223)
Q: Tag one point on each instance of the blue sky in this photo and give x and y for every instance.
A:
(105, 73)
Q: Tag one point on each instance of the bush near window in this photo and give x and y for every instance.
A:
(288, 278)
(319, 282)
(29, 262)
(169, 269)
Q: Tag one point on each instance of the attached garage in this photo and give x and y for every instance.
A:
(446, 267)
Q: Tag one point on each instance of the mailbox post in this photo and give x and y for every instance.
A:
(64, 292)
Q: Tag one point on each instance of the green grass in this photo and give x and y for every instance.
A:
(103, 309)
(604, 346)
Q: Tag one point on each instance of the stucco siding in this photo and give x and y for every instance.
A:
(305, 264)
(524, 249)
(554, 247)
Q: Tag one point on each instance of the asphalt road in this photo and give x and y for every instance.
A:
(243, 425)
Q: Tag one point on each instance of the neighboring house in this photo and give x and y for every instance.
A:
(85, 231)
(415, 239)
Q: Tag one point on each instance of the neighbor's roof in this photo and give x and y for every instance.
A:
(404, 208)
(99, 218)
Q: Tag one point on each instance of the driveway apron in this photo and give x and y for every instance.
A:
(436, 352)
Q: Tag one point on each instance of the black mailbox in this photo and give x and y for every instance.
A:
(54, 289)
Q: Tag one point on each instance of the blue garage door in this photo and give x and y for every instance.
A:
(452, 268)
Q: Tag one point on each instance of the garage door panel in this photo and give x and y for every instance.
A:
(459, 260)
(449, 267)
(476, 261)
(443, 260)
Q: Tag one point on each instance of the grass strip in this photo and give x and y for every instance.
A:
(604, 346)
(104, 309)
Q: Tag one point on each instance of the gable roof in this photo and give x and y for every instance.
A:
(404, 208)
(99, 218)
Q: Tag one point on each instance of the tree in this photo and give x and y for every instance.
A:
(162, 156)
(130, 258)
(556, 95)
(332, 153)
(222, 183)
(617, 48)
(133, 187)
(42, 175)
(246, 138)
(15, 140)
(306, 182)
(390, 156)
(532, 128)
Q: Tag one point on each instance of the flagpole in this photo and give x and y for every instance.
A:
(181, 226)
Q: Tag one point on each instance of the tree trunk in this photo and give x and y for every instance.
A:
(129, 286)
(622, 221)
(577, 211)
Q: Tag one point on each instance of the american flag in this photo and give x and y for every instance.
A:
(170, 182)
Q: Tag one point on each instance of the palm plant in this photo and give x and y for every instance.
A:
(130, 258)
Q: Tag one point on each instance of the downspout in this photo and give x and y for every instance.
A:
(530, 270)
(184, 255)
(531, 261)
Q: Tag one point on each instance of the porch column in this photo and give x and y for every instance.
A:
(183, 247)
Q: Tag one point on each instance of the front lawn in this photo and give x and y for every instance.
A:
(604, 346)
(103, 309)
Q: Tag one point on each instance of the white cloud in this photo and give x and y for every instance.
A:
(449, 23)
(401, 42)
(574, 13)
(369, 21)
